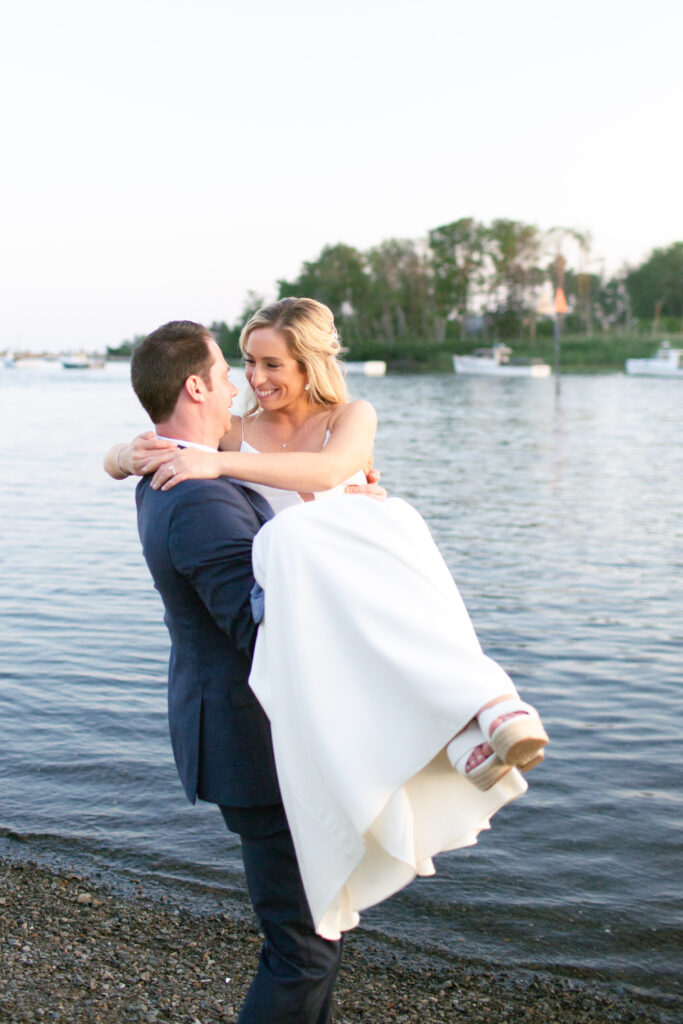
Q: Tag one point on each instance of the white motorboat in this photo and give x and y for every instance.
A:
(495, 362)
(667, 362)
(371, 367)
(24, 361)
(82, 362)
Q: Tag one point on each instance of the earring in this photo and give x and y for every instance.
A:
(307, 387)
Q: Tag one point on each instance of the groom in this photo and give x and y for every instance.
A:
(197, 539)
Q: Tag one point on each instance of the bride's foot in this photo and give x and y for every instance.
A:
(515, 731)
(473, 757)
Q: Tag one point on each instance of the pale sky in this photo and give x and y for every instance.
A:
(162, 157)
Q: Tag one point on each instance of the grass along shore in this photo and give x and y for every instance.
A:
(73, 951)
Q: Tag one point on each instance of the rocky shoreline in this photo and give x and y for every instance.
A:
(74, 951)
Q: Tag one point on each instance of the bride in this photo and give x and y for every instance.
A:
(366, 661)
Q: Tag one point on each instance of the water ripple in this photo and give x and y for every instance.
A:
(561, 519)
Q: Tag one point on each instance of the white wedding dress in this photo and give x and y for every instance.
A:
(367, 665)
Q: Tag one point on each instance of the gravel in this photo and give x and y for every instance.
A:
(73, 950)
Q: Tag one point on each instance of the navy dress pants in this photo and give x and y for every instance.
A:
(297, 968)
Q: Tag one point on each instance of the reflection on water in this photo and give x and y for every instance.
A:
(560, 517)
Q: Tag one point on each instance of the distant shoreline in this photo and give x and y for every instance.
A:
(583, 354)
(74, 947)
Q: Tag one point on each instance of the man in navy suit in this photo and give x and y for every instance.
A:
(197, 539)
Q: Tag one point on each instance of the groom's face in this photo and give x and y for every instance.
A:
(223, 391)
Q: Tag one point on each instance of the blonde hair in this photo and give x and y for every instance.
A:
(311, 337)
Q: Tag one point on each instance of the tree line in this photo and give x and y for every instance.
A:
(468, 280)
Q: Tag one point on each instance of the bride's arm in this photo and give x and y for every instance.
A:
(128, 459)
(349, 449)
(145, 453)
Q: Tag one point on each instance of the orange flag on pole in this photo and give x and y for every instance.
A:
(560, 302)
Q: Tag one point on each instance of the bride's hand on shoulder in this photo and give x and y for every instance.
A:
(188, 464)
(142, 455)
(146, 453)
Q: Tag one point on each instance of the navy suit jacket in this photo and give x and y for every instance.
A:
(197, 540)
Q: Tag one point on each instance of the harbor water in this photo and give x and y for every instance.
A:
(561, 518)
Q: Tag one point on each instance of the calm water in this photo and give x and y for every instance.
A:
(562, 520)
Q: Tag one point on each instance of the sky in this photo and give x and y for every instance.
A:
(161, 158)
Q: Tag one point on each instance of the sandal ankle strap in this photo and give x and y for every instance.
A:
(504, 707)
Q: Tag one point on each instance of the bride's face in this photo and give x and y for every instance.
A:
(275, 376)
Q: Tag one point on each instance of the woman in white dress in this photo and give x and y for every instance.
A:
(366, 661)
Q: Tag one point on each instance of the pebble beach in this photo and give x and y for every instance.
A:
(75, 951)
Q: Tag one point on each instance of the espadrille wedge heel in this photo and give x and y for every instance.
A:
(515, 731)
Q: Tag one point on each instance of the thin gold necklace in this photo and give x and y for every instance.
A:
(285, 444)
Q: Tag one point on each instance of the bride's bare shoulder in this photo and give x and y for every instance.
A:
(357, 411)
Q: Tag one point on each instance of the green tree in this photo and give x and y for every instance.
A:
(656, 286)
(228, 338)
(612, 303)
(514, 249)
(337, 278)
(125, 349)
(400, 290)
(458, 253)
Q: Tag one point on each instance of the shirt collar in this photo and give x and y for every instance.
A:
(187, 444)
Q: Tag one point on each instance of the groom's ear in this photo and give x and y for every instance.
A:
(195, 388)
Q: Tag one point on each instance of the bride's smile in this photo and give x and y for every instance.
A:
(272, 372)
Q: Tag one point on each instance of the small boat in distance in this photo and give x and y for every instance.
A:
(24, 361)
(667, 362)
(495, 362)
(82, 362)
(371, 367)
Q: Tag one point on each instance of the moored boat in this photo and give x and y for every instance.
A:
(82, 362)
(667, 362)
(24, 361)
(371, 367)
(495, 362)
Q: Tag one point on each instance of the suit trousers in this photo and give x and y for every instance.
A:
(297, 968)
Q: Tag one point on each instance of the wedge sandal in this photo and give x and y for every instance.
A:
(459, 751)
(520, 737)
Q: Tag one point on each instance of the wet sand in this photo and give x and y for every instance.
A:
(73, 951)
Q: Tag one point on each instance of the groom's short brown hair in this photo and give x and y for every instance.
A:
(162, 362)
